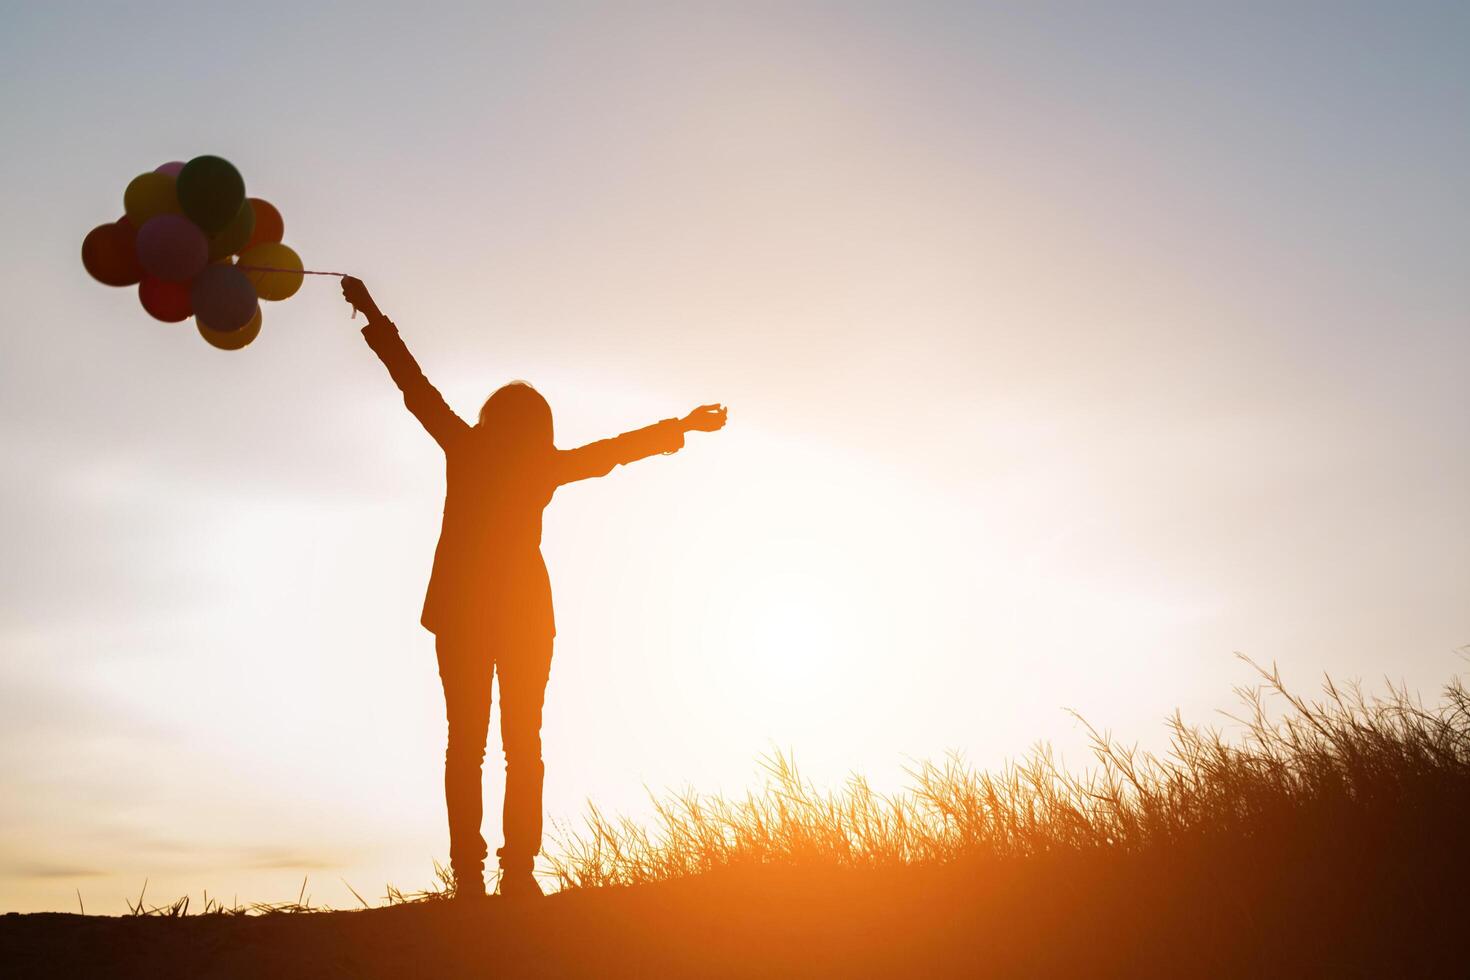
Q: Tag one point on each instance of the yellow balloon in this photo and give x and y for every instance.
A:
(231, 339)
(272, 255)
(149, 195)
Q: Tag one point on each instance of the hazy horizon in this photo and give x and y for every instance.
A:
(1068, 351)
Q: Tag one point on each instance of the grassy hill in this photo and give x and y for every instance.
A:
(1330, 841)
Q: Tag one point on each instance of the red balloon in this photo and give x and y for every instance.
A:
(171, 168)
(269, 226)
(109, 255)
(172, 247)
(224, 297)
(166, 301)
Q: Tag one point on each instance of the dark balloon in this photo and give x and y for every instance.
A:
(171, 247)
(210, 191)
(236, 234)
(224, 298)
(171, 168)
(269, 226)
(166, 301)
(109, 254)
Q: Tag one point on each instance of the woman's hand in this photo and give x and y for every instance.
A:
(356, 293)
(705, 418)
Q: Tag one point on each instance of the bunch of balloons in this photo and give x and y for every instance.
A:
(195, 245)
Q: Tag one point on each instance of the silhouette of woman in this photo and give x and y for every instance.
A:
(489, 598)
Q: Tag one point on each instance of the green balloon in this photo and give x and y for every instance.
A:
(235, 235)
(210, 192)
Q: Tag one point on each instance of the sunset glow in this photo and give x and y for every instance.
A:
(1053, 382)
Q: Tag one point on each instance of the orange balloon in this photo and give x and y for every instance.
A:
(231, 339)
(269, 226)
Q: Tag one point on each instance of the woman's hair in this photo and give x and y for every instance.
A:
(516, 417)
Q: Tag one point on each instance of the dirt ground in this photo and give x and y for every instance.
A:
(1112, 916)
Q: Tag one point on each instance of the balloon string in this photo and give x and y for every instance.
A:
(298, 272)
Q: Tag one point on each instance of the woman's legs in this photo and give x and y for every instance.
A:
(523, 667)
(465, 669)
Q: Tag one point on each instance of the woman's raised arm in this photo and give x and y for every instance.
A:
(598, 458)
(421, 397)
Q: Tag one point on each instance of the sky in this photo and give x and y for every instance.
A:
(1070, 349)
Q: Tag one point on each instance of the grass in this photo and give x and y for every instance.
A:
(1304, 772)
(442, 888)
(1325, 840)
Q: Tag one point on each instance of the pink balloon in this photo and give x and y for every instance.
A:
(171, 168)
(172, 248)
(223, 298)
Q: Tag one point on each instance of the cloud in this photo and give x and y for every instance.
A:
(267, 860)
(42, 869)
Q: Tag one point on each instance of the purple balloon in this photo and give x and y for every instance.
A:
(172, 248)
(171, 168)
(223, 298)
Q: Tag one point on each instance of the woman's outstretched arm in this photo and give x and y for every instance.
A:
(421, 397)
(598, 458)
